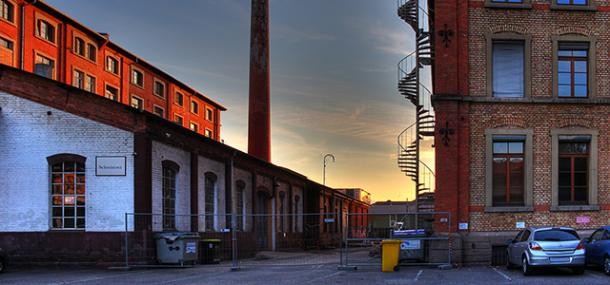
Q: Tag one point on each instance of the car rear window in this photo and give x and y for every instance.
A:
(555, 235)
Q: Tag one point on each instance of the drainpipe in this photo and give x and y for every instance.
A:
(22, 36)
(274, 220)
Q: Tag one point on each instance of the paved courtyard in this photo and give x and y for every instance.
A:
(313, 274)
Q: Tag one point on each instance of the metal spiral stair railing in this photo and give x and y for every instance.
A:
(416, 14)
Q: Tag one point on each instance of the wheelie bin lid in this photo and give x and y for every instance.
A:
(211, 240)
(172, 236)
(391, 241)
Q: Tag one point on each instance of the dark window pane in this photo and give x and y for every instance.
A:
(80, 200)
(69, 223)
(564, 195)
(581, 164)
(580, 179)
(57, 223)
(80, 211)
(515, 147)
(69, 211)
(80, 223)
(508, 69)
(69, 166)
(57, 188)
(500, 147)
(564, 164)
(580, 195)
(57, 167)
(57, 211)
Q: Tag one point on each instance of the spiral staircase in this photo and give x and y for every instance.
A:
(416, 13)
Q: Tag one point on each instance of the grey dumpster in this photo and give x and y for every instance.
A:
(412, 246)
(177, 247)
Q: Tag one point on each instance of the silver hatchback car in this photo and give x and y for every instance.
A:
(546, 247)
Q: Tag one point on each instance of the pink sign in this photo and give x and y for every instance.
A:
(583, 219)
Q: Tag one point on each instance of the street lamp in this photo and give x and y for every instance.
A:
(324, 175)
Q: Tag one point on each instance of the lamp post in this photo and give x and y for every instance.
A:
(324, 175)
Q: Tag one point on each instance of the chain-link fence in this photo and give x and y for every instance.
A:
(346, 239)
(425, 238)
(237, 240)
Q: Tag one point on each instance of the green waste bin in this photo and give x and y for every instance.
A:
(209, 250)
(177, 247)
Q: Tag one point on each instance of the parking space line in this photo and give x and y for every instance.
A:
(589, 273)
(502, 274)
(418, 274)
(325, 277)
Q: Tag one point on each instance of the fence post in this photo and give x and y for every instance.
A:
(235, 256)
(126, 242)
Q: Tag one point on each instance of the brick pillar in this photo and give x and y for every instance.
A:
(259, 119)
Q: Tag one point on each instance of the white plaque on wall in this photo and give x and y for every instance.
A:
(110, 166)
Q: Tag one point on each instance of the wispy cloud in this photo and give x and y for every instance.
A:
(292, 35)
(391, 40)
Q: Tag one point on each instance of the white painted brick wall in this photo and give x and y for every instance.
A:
(161, 152)
(28, 136)
(218, 168)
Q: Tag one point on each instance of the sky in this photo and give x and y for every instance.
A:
(333, 76)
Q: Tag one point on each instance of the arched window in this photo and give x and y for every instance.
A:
(282, 211)
(240, 210)
(67, 191)
(297, 214)
(79, 46)
(170, 171)
(210, 200)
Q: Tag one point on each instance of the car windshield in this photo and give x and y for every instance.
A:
(556, 235)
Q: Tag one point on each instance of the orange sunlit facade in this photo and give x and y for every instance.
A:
(37, 38)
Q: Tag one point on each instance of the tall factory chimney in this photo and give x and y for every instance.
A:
(259, 119)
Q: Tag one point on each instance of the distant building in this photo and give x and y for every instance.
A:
(38, 38)
(356, 193)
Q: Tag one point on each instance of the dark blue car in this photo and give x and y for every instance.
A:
(597, 249)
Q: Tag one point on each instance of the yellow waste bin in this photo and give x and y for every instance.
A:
(390, 250)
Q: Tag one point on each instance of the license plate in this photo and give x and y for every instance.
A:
(560, 259)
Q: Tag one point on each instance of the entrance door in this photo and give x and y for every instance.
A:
(262, 220)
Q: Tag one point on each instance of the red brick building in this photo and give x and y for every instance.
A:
(521, 101)
(37, 38)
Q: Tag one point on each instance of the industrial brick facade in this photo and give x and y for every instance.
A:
(87, 59)
(464, 104)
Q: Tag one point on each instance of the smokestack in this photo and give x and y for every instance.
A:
(259, 119)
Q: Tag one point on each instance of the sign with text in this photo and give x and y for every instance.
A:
(583, 220)
(110, 166)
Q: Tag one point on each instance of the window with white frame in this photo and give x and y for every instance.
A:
(91, 52)
(90, 84)
(78, 79)
(178, 119)
(7, 11)
(194, 127)
(111, 92)
(44, 66)
(112, 65)
(79, 46)
(45, 30)
(137, 102)
(209, 114)
(170, 171)
(67, 191)
(159, 111)
(210, 200)
(137, 77)
(6, 51)
(159, 88)
(208, 133)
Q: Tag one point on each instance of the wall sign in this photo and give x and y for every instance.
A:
(520, 225)
(583, 220)
(110, 166)
(463, 226)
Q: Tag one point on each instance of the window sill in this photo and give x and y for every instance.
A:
(508, 5)
(509, 209)
(557, 7)
(574, 208)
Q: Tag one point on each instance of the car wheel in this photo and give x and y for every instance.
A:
(607, 265)
(578, 270)
(525, 267)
